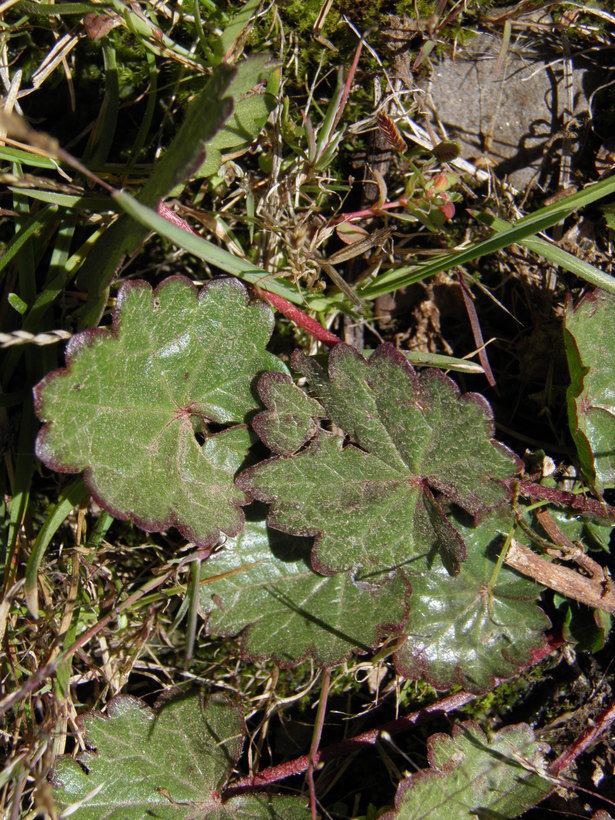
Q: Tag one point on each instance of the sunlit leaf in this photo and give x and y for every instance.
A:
(128, 405)
(473, 776)
(169, 764)
(261, 584)
(590, 330)
(481, 625)
(369, 489)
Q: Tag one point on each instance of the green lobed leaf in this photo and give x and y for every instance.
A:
(126, 406)
(372, 503)
(205, 115)
(172, 764)
(473, 776)
(251, 107)
(589, 334)
(261, 583)
(289, 420)
(481, 625)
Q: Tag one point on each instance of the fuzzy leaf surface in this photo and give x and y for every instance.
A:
(471, 776)
(128, 404)
(261, 583)
(173, 764)
(590, 330)
(372, 503)
(289, 420)
(475, 627)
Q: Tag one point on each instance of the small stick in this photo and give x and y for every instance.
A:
(595, 593)
(567, 550)
(583, 743)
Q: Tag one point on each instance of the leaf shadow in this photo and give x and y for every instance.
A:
(352, 642)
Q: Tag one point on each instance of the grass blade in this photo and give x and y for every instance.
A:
(592, 275)
(521, 230)
(206, 250)
(70, 498)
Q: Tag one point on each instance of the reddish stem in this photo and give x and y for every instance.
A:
(373, 736)
(289, 310)
(577, 502)
(373, 211)
(583, 743)
(476, 330)
(300, 318)
(347, 86)
(166, 213)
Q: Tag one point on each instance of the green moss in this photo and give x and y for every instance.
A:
(493, 706)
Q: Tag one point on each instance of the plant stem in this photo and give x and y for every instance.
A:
(298, 317)
(318, 724)
(476, 331)
(366, 739)
(578, 502)
(583, 743)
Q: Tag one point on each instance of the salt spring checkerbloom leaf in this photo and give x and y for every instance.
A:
(261, 584)
(590, 330)
(481, 625)
(370, 492)
(290, 419)
(169, 764)
(470, 775)
(127, 406)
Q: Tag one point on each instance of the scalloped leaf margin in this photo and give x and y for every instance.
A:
(369, 494)
(126, 406)
(168, 764)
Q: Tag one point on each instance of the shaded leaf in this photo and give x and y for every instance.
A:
(371, 503)
(170, 764)
(126, 406)
(261, 582)
(205, 115)
(476, 627)
(473, 776)
(251, 107)
(590, 330)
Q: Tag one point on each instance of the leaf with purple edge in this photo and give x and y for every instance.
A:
(168, 764)
(261, 585)
(126, 406)
(290, 418)
(370, 493)
(479, 626)
(470, 775)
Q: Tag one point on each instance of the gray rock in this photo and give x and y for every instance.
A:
(512, 115)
